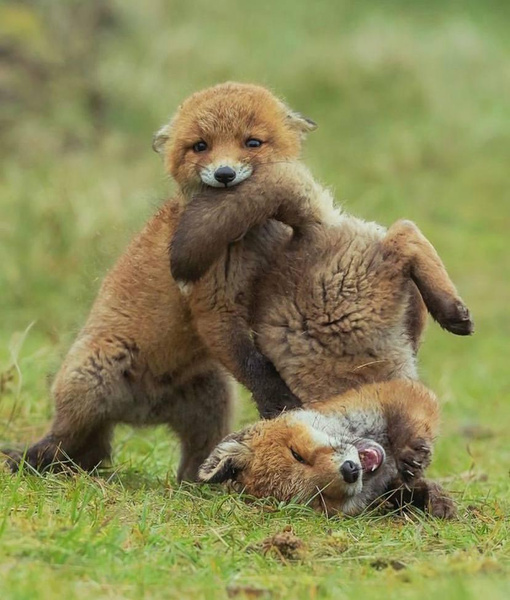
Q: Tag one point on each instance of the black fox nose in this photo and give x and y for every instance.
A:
(224, 175)
(350, 471)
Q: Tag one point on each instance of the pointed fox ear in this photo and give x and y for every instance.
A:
(299, 122)
(228, 459)
(161, 137)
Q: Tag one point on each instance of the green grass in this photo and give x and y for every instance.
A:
(412, 103)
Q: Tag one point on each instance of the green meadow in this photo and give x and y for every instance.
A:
(412, 102)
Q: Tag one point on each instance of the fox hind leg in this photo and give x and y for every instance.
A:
(406, 242)
(58, 452)
(201, 419)
(91, 391)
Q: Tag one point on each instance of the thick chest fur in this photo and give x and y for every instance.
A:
(338, 308)
(231, 283)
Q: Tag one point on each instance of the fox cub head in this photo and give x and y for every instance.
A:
(295, 457)
(339, 458)
(221, 134)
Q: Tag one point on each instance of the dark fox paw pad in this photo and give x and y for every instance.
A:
(458, 320)
(414, 459)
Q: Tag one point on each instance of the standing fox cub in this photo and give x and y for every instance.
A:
(278, 306)
(341, 455)
(139, 359)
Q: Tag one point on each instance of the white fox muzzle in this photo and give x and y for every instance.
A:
(225, 174)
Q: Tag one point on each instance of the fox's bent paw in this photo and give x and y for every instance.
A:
(439, 504)
(414, 459)
(456, 318)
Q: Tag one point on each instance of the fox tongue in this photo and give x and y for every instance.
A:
(370, 459)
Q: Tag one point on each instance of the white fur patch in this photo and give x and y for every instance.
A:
(242, 171)
(365, 421)
(334, 425)
(328, 425)
(185, 288)
(330, 215)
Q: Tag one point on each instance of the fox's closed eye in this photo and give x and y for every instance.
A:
(253, 143)
(298, 457)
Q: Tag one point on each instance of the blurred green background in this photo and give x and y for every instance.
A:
(412, 101)
(413, 105)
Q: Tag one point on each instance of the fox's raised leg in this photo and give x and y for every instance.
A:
(411, 249)
(412, 428)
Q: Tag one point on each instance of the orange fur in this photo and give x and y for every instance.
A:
(224, 116)
(300, 455)
(148, 354)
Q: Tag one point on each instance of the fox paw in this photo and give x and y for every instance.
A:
(439, 503)
(456, 318)
(414, 459)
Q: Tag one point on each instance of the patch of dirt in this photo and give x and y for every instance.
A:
(381, 564)
(286, 545)
(247, 591)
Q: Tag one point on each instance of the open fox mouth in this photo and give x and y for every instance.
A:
(371, 455)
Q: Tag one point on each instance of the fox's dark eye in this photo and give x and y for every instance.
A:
(200, 146)
(253, 143)
(297, 456)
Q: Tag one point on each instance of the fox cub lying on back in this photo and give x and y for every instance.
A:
(341, 455)
(139, 359)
